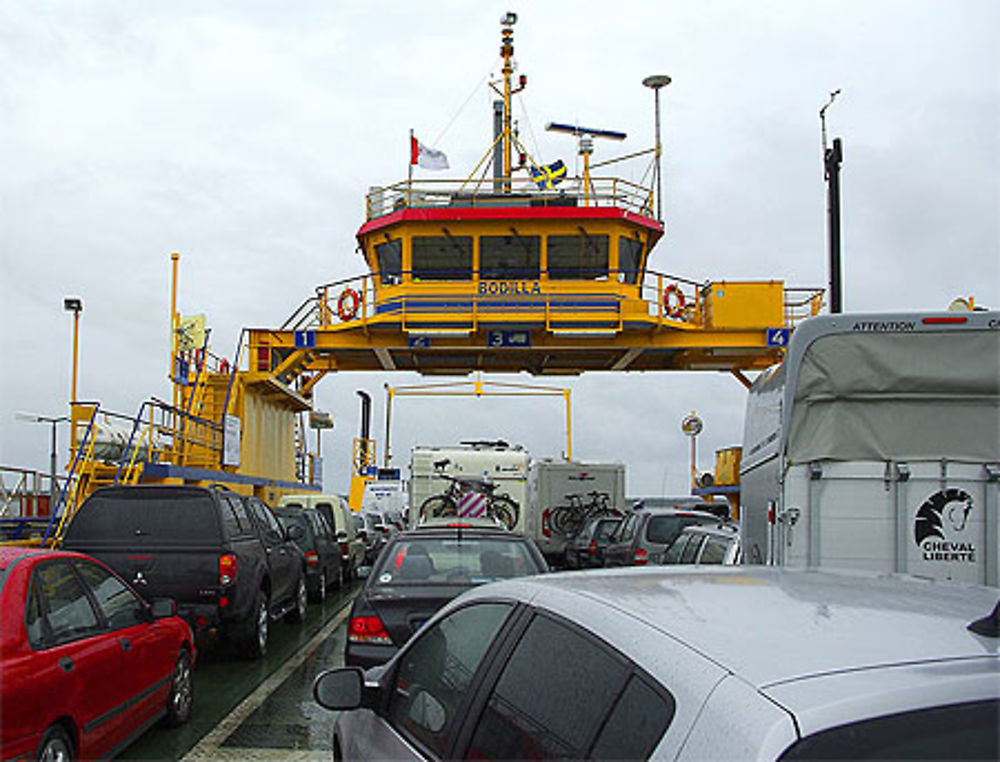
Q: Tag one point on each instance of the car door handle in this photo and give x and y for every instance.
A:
(126, 644)
(67, 664)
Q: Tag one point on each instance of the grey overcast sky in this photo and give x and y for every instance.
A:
(244, 134)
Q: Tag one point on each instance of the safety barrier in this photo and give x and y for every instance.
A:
(660, 298)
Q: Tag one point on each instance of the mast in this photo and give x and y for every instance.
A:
(507, 22)
(507, 52)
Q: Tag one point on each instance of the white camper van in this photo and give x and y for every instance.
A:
(475, 479)
(563, 493)
(875, 444)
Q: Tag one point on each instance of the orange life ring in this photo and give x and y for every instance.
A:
(348, 304)
(673, 301)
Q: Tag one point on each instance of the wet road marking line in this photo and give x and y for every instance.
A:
(210, 746)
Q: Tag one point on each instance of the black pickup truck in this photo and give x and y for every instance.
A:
(225, 559)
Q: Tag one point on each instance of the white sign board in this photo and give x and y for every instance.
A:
(231, 441)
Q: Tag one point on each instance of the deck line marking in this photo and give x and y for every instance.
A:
(208, 746)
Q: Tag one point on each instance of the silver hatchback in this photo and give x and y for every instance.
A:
(681, 663)
(645, 533)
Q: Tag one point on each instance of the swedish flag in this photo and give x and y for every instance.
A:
(549, 175)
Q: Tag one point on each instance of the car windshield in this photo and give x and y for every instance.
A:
(604, 528)
(454, 561)
(291, 519)
(958, 731)
(664, 529)
(147, 515)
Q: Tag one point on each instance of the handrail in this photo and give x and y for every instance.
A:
(135, 450)
(72, 477)
(229, 392)
(799, 303)
(423, 193)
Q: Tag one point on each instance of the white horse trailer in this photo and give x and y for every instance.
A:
(875, 444)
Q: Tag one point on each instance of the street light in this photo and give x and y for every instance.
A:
(692, 426)
(655, 82)
(74, 304)
(34, 418)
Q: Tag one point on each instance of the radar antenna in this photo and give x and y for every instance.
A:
(585, 139)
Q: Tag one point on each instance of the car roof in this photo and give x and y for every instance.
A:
(724, 529)
(459, 526)
(677, 511)
(770, 625)
(466, 522)
(10, 554)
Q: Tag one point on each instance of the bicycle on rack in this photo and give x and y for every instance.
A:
(567, 520)
(471, 497)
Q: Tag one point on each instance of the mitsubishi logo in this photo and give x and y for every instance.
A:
(139, 579)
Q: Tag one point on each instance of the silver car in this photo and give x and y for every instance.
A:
(685, 663)
(706, 544)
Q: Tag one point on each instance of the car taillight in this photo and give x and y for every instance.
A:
(227, 569)
(312, 558)
(368, 629)
(545, 523)
(344, 549)
(592, 550)
(641, 557)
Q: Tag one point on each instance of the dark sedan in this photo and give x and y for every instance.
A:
(585, 550)
(421, 570)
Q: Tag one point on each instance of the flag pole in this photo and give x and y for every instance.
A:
(409, 167)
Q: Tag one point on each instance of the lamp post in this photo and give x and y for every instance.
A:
(692, 426)
(832, 159)
(655, 82)
(34, 418)
(75, 305)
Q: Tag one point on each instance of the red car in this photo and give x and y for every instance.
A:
(87, 664)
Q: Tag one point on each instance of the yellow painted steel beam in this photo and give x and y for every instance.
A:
(306, 389)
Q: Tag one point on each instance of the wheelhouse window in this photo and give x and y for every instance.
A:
(629, 259)
(442, 257)
(390, 261)
(577, 257)
(511, 256)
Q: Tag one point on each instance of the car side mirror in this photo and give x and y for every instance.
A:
(339, 689)
(163, 608)
(363, 572)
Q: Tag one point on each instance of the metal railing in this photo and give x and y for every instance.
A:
(486, 192)
(469, 298)
(26, 493)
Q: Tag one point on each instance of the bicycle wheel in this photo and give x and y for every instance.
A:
(438, 505)
(503, 509)
(574, 523)
(562, 519)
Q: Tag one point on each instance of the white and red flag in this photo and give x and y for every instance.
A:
(428, 158)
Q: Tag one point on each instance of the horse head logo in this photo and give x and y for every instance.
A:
(951, 505)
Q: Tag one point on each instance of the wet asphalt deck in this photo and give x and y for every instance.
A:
(260, 710)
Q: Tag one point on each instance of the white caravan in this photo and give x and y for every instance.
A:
(562, 494)
(875, 444)
(442, 472)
